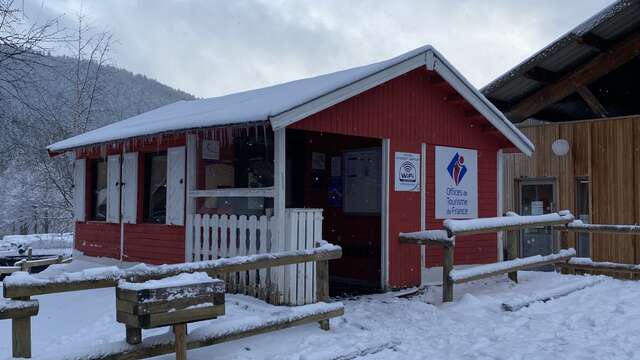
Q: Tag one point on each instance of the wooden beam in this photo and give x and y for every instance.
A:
(594, 41)
(601, 65)
(11, 309)
(162, 344)
(541, 75)
(212, 267)
(601, 229)
(427, 237)
(581, 264)
(490, 270)
(596, 106)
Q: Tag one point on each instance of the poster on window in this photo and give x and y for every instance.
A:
(407, 174)
(456, 175)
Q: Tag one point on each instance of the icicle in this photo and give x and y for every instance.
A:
(264, 132)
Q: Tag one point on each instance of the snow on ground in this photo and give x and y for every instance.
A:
(602, 321)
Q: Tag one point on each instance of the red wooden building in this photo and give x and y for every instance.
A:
(353, 157)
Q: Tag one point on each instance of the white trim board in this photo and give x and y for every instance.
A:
(384, 243)
(233, 192)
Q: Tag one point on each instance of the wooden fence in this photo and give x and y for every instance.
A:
(563, 221)
(213, 237)
(22, 290)
(27, 264)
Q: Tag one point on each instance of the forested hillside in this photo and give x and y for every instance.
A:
(58, 97)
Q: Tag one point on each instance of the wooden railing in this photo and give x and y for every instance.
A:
(563, 221)
(21, 288)
(26, 264)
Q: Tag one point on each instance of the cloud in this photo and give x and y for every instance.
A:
(213, 47)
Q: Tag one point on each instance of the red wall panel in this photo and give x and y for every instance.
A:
(410, 110)
(149, 243)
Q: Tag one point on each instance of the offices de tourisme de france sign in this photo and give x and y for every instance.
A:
(456, 177)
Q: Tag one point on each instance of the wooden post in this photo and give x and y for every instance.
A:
(322, 287)
(24, 266)
(21, 333)
(447, 266)
(21, 337)
(564, 244)
(29, 254)
(134, 335)
(512, 252)
(279, 210)
(180, 334)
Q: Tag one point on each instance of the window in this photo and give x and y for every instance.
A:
(155, 187)
(583, 240)
(99, 190)
(245, 162)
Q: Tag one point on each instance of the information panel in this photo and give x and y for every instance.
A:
(456, 175)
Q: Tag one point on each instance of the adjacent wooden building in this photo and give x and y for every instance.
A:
(577, 101)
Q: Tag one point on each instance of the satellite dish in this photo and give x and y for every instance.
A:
(560, 147)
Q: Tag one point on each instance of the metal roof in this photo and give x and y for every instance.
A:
(566, 53)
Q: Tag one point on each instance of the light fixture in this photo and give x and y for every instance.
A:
(560, 147)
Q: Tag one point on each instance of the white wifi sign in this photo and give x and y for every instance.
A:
(407, 174)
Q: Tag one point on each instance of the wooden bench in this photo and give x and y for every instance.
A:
(168, 302)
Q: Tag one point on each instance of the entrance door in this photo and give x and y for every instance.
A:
(536, 198)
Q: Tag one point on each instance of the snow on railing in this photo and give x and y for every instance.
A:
(431, 237)
(505, 223)
(22, 284)
(579, 226)
(544, 296)
(580, 263)
(487, 270)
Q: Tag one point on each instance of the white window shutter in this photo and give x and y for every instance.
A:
(129, 185)
(79, 180)
(113, 189)
(176, 161)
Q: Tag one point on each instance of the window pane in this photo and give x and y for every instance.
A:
(99, 183)
(155, 187)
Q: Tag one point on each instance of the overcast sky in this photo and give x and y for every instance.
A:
(210, 48)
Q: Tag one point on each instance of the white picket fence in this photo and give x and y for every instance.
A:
(220, 236)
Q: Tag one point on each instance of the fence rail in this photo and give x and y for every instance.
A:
(589, 265)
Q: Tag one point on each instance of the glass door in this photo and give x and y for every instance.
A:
(536, 198)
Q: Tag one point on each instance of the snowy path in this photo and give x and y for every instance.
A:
(600, 322)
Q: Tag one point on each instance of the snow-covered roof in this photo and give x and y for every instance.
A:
(289, 102)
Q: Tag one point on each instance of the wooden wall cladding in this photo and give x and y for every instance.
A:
(607, 151)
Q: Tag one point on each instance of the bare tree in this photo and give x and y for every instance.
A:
(56, 99)
(20, 43)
